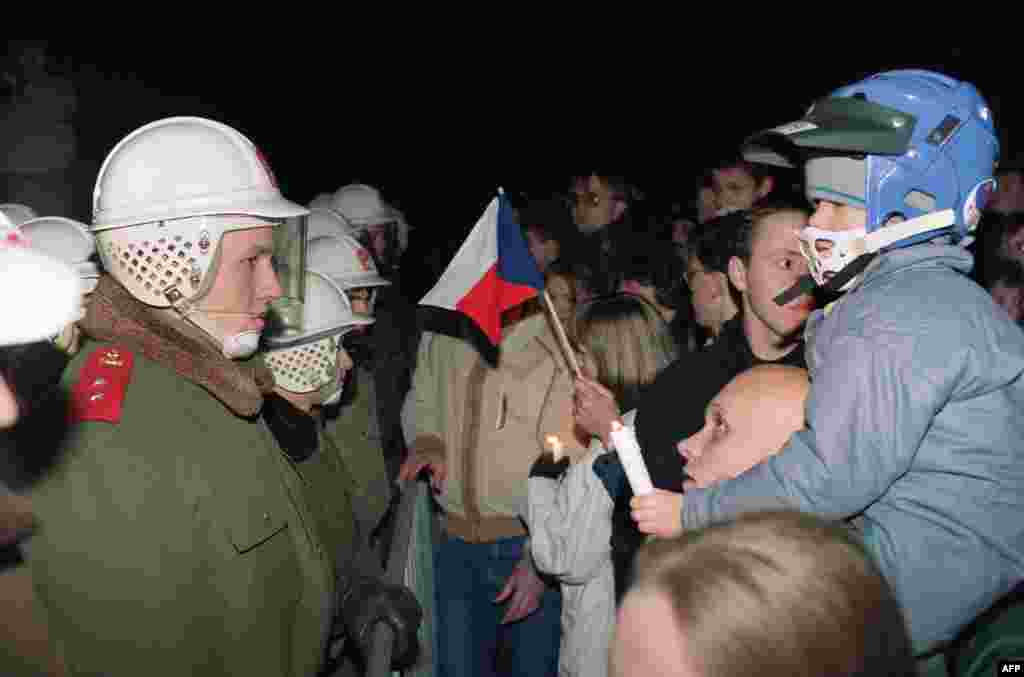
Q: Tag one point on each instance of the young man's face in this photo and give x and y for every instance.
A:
(594, 204)
(775, 265)
(705, 293)
(246, 282)
(735, 188)
(544, 252)
(748, 421)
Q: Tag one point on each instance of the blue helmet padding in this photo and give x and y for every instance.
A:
(951, 155)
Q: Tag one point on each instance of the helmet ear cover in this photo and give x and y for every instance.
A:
(164, 259)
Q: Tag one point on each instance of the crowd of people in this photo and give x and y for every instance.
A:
(213, 398)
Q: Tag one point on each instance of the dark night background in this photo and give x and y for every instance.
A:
(439, 134)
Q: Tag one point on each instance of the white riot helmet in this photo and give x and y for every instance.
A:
(325, 222)
(362, 208)
(321, 201)
(346, 262)
(311, 358)
(166, 195)
(66, 240)
(360, 205)
(39, 295)
(164, 198)
(17, 213)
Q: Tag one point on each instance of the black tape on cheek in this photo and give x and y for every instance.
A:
(805, 285)
(850, 271)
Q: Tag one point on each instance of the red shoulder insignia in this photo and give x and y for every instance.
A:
(102, 383)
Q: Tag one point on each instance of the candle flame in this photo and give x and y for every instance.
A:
(554, 445)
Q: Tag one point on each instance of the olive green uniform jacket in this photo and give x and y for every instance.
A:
(180, 540)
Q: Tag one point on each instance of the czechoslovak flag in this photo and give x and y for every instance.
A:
(492, 272)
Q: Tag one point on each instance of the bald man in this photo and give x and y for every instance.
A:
(749, 420)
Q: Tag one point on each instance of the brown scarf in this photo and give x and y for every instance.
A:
(112, 314)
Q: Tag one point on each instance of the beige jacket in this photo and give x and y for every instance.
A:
(489, 424)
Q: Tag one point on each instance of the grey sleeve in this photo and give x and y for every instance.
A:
(570, 524)
(868, 409)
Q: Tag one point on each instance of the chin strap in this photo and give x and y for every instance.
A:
(232, 347)
(874, 242)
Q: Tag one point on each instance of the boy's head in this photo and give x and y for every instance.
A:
(787, 592)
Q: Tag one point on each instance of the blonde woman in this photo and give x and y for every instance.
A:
(624, 343)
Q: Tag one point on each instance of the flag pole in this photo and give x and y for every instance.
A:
(570, 354)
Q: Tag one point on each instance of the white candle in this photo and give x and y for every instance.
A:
(624, 440)
(555, 446)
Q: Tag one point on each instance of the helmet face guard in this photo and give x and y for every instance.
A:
(306, 367)
(290, 260)
(309, 358)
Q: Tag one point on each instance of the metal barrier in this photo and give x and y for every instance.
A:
(411, 563)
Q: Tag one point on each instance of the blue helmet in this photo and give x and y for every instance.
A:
(898, 144)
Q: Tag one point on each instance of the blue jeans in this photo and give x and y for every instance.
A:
(471, 642)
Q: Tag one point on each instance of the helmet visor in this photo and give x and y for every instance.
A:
(290, 259)
(837, 125)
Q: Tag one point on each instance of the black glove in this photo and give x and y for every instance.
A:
(369, 601)
(547, 466)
